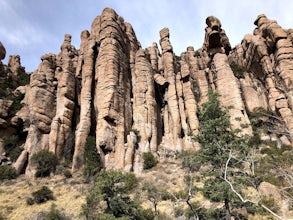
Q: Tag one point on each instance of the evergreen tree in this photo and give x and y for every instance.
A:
(218, 141)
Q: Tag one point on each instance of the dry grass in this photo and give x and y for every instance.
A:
(69, 196)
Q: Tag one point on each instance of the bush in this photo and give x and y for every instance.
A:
(11, 147)
(178, 211)
(269, 202)
(237, 69)
(109, 199)
(30, 201)
(17, 105)
(67, 173)
(7, 172)
(92, 160)
(45, 161)
(40, 196)
(55, 214)
(149, 160)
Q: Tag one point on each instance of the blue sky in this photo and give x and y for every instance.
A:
(31, 28)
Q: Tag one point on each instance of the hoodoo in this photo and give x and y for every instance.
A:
(134, 100)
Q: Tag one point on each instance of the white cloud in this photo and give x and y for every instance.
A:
(17, 30)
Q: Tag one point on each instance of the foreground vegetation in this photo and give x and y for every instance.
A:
(219, 181)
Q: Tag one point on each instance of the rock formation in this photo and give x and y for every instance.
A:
(135, 100)
(2, 51)
(266, 55)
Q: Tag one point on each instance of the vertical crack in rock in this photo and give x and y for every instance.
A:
(112, 92)
(62, 122)
(88, 49)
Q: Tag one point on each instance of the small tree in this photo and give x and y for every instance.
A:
(149, 160)
(154, 195)
(40, 196)
(92, 160)
(11, 147)
(217, 142)
(45, 161)
(110, 197)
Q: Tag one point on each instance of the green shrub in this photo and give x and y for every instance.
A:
(204, 213)
(11, 147)
(178, 211)
(45, 161)
(67, 173)
(215, 189)
(237, 69)
(181, 194)
(92, 160)
(110, 196)
(269, 202)
(55, 214)
(17, 105)
(149, 160)
(165, 195)
(7, 172)
(42, 195)
(23, 79)
(147, 214)
(30, 201)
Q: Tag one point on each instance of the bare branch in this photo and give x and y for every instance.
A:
(239, 195)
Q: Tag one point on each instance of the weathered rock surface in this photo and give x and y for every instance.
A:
(267, 56)
(135, 100)
(15, 67)
(2, 52)
(4, 107)
(225, 82)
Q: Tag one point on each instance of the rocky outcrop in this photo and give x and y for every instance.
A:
(51, 104)
(144, 103)
(253, 92)
(61, 127)
(266, 55)
(15, 67)
(135, 100)
(4, 107)
(2, 52)
(171, 112)
(225, 82)
(216, 40)
(85, 69)
(112, 89)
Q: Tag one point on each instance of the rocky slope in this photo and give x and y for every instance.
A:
(136, 100)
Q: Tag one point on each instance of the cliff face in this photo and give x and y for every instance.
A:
(136, 100)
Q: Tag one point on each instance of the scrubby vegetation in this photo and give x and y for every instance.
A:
(237, 69)
(67, 173)
(45, 162)
(40, 196)
(7, 172)
(228, 164)
(11, 147)
(149, 160)
(92, 160)
(110, 197)
(55, 214)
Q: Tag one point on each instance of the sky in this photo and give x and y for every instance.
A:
(32, 28)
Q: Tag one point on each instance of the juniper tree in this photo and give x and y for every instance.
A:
(217, 141)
